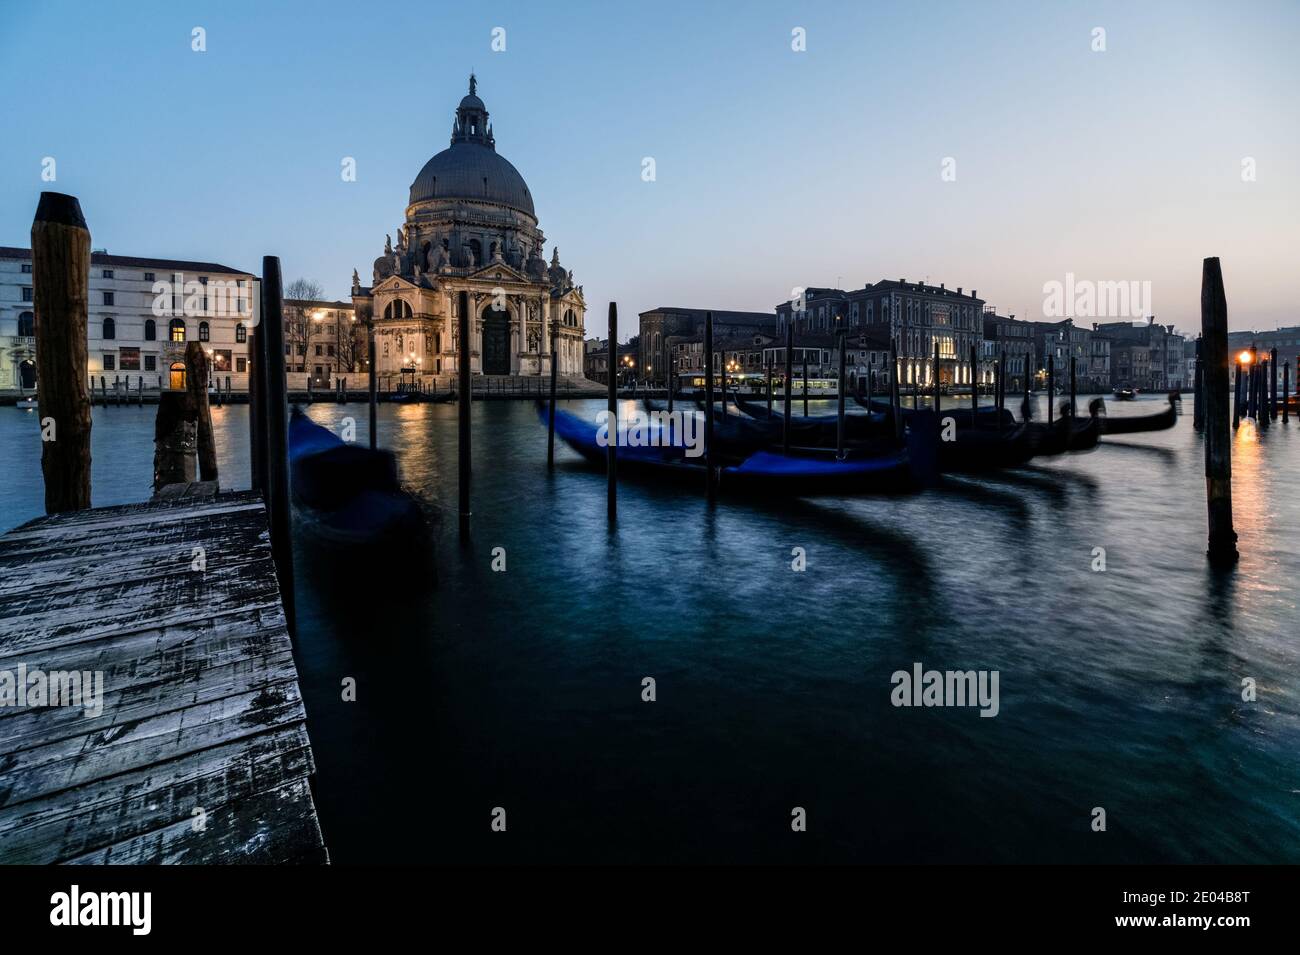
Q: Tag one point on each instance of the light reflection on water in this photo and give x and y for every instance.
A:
(522, 689)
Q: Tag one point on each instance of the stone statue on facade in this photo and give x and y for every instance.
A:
(356, 281)
(388, 244)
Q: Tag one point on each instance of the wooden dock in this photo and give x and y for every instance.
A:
(200, 753)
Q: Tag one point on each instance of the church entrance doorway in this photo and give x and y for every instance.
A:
(496, 342)
(27, 374)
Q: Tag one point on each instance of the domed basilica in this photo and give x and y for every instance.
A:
(470, 226)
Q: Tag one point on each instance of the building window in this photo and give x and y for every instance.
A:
(241, 365)
(27, 268)
(107, 273)
(150, 330)
(204, 332)
(319, 351)
(176, 330)
(110, 328)
(176, 376)
(110, 363)
(150, 362)
(148, 277)
(241, 333)
(108, 298)
(27, 293)
(27, 325)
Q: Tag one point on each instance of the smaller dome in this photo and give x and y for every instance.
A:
(472, 102)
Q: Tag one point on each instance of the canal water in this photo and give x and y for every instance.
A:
(1119, 689)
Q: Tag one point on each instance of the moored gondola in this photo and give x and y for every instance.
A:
(346, 492)
(1135, 423)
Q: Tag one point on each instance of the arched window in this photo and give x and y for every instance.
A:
(477, 248)
(204, 332)
(397, 309)
(241, 333)
(110, 328)
(176, 329)
(176, 376)
(569, 318)
(27, 325)
(150, 330)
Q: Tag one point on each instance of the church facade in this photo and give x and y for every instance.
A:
(471, 227)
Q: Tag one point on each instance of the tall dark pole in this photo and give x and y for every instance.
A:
(934, 371)
(1238, 383)
(1051, 388)
(277, 432)
(256, 416)
(61, 301)
(711, 478)
(611, 450)
(839, 407)
(1265, 372)
(1074, 366)
(1272, 384)
(895, 402)
(1218, 441)
(723, 365)
(974, 387)
(463, 448)
(1002, 385)
(804, 362)
(373, 384)
(768, 370)
(550, 416)
(789, 384)
(1286, 391)
(1198, 389)
(671, 381)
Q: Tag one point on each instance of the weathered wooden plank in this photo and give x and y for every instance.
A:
(201, 706)
(57, 619)
(33, 726)
(109, 811)
(269, 828)
(160, 654)
(64, 764)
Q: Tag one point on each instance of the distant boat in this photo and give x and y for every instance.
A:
(1125, 394)
(350, 493)
(27, 404)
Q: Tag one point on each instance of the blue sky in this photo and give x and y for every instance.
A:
(775, 168)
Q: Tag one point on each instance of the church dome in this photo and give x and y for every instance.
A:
(470, 168)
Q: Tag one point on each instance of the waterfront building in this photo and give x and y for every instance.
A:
(141, 313)
(1016, 338)
(1145, 355)
(323, 341)
(1064, 342)
(1285, 339)
(470, 226)
(664, 328)
(596, 360)
(916, 315)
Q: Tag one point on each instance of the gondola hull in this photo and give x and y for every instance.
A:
(1135, 424)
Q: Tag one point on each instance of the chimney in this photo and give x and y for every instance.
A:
(974, 293)
(958, 289)
(941, 285)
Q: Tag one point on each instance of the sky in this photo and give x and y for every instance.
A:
(985, 145)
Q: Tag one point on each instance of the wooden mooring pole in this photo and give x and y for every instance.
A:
(768, 372)
(935, 375)
(804, 353)
(1261, 406)
(1272, 384)
(1286, 391)
(974, 387)
(1051, 389)
(1222, 549)
(1198, 389)
(789, 385)
(840, 389)
(196, 386)
(60, 294)
(895, 402)
(463, 450)
(277, 433)
(550, 417)
(611, 450)
(711, 478)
